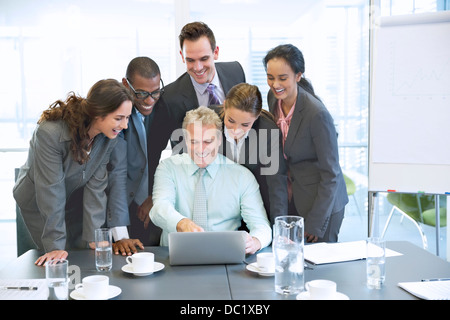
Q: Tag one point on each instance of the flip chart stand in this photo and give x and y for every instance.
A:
(373, 221)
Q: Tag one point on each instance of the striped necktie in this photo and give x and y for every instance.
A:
(213, 99)
(142, 191)
(200, 213)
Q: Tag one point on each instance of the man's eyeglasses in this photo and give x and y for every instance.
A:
(142, 95)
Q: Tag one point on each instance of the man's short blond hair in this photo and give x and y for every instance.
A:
(204, 115)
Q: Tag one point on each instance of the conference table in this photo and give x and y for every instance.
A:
(236, 282)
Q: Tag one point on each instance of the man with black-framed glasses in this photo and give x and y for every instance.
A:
(143, 79)
(142, 95)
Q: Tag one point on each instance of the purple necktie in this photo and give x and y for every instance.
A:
(213, 99)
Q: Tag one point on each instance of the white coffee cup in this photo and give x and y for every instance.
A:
(142, 262)
(265, 262)
(321, 289)
(94, 287)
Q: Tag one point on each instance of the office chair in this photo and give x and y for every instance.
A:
(419, 209)
(351, 190)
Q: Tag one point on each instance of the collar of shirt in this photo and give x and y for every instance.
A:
(141, 116)
(236, 146)
(211, 169)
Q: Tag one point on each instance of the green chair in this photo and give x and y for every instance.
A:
(351, 189)
(419, 209)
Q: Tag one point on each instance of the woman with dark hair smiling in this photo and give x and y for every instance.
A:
(316, 183)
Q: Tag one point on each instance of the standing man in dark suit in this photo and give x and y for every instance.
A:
(190, 90)
(143, 79)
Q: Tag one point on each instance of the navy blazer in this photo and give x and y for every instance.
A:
(179, 97)
(311, 148)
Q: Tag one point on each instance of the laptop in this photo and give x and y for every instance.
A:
(210, 247)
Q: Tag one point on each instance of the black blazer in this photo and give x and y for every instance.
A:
(179, 97)
(318, 186)
(262, 154)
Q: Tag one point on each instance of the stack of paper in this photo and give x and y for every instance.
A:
(14, 289)
(429, 290)
(320, 253)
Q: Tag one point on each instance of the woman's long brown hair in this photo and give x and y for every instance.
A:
(104, 97)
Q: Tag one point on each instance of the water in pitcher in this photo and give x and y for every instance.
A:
(287, 247)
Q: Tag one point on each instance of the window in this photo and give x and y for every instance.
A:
(51, 48)
(334, 39)
(398, 7)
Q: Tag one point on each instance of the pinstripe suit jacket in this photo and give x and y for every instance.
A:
(311, 148)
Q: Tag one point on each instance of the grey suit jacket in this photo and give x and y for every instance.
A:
(311, 148)
(178, 98)
(49, 177)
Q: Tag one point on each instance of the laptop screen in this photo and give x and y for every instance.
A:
(211, 247)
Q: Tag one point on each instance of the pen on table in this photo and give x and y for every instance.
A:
(436, 279)
(18, 288)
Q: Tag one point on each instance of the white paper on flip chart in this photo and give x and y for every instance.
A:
(429, 290)
(12, 294)
(321, 253)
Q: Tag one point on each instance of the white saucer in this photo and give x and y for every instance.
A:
(113, 291)
(305, 296)
(253, 267)
(156, 267)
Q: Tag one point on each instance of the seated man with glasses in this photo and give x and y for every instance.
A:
(143, 78)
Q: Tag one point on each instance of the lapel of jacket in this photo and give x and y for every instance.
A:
(250, 151)
(226, 81)
(226, 148)
(187, 90)
(295, 122)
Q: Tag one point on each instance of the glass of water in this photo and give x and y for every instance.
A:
(103, 249)
(56, 273)
(375, 264)
(287, 245)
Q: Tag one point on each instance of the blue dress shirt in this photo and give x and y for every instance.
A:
(232, 191)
